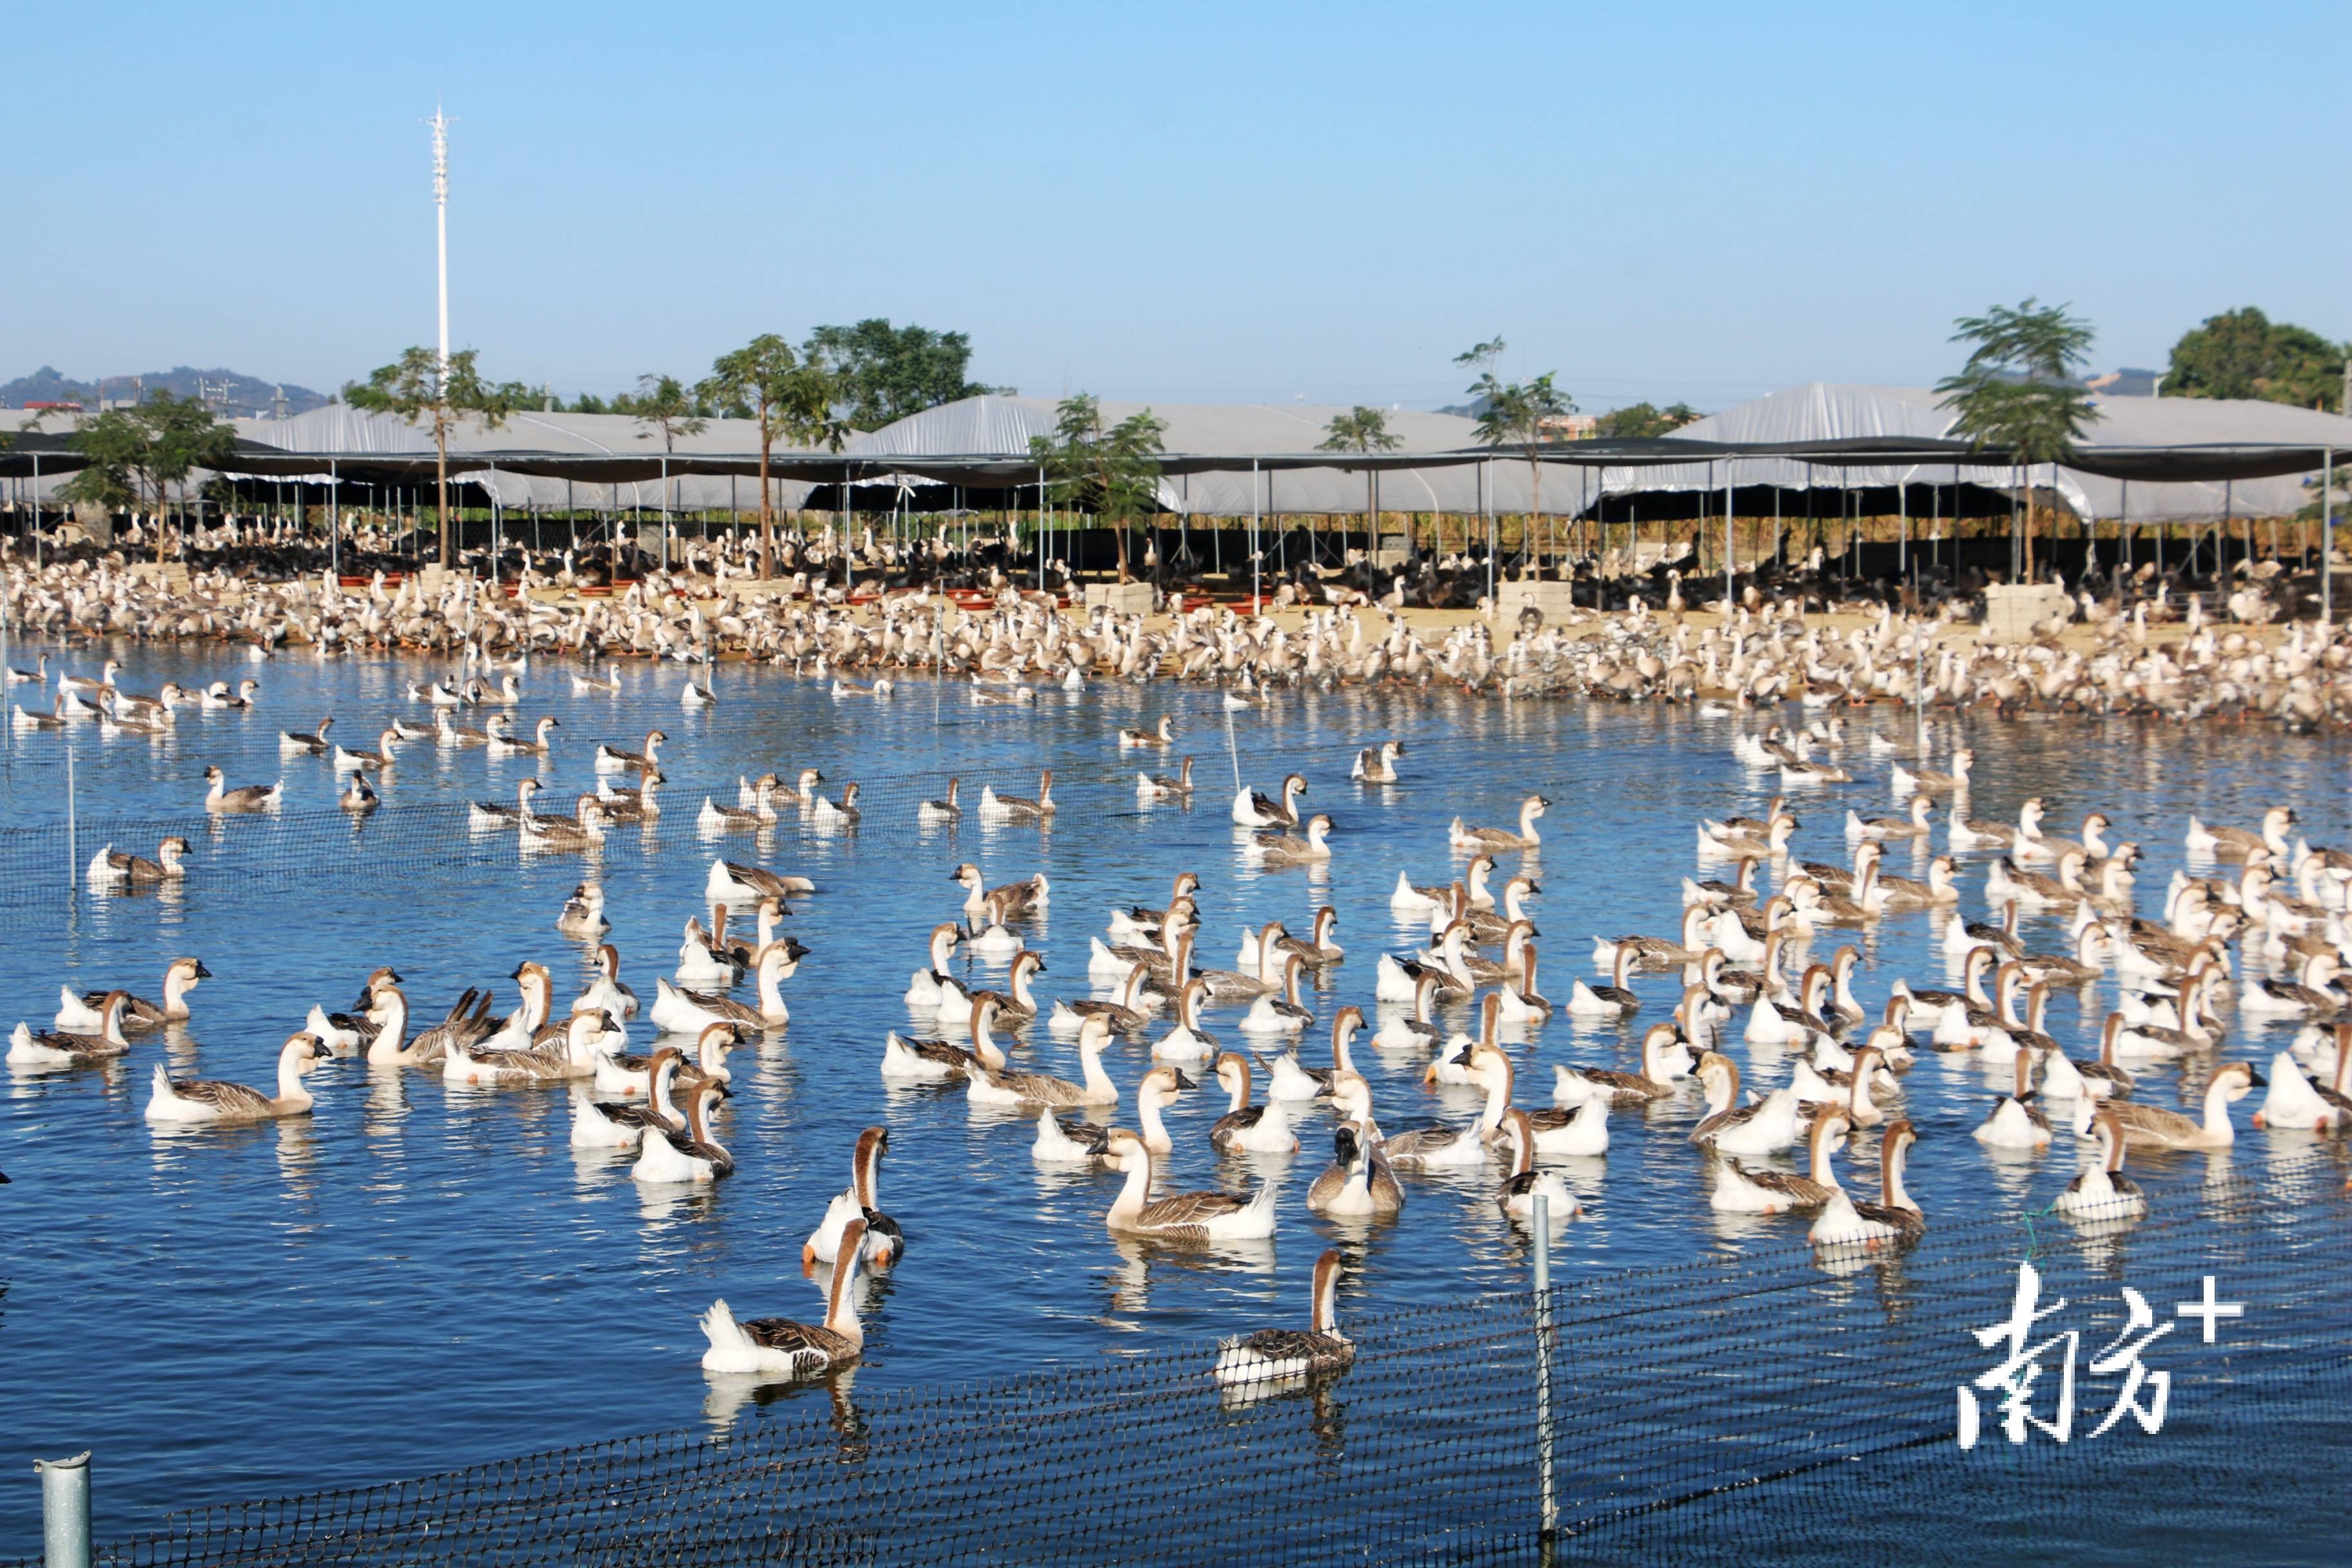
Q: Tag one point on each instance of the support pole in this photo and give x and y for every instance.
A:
(65, 1510)
(1256, 549)
(1728, 545)
(1543, 1369)
(73, 838)
(2327, 535)
(334, 523)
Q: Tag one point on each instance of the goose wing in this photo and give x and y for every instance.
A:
(226, 1098)
(1799, 1190)
(2152, 1121)
(1190, 1209)
(795, 1339)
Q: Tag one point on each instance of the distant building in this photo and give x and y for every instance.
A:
(2126, 383)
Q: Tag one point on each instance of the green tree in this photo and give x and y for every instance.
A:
(887, 372)
(133, 452)
(1514, 413)
(666, 409)
(789, 400)
(1639, 421)
(1362, 429)
(2019, 392)
(420, 389)
(1117, 467)
(2244, 354)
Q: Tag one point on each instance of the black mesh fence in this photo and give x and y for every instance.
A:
(1776, 1402)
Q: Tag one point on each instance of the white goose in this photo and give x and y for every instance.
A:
(186, 1101)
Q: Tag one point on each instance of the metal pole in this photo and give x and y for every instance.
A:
(2326, 534)
(73, 843)
(334, 523)
(65, 1510)
(1487, 510)
(1255, 551)
(1543, 1367)
(1728, 545)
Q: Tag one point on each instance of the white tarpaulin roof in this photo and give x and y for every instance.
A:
(1824, 412)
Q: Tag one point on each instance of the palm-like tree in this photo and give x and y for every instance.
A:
(788, 399)
(1517, 414)
(2019, 392)
(666, 409)
(422, 387)
(1119, 465)
(1362, 429)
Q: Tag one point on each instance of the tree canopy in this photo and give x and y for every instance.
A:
(2244, 354)
(666, 409)
(2019, 389)
(143, 450)
(1117, 468)
(1640, 420)
(887, 372)
(1360, 429)
(421, 388)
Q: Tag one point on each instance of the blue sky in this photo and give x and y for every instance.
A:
(1195, 202)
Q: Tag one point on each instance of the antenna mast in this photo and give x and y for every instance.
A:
(440, 124)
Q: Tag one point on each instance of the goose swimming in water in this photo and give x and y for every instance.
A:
(348, 1034)
(1411, 897)
(1181, 1216)
(1186, 1042)
(665, 1157)
(252, 797)
(113, 868)
(1895, 1219)
(1160, 739)
(778, 1347)
(1016, 899)
(2014, 1124)
(466, 1025)
(622, 1124)
(1290, 849)
(1155, 787)
(936, 812)
(2226, 843)
(582, 913)
(290, 744)
(1359, 1182)
(995, 807)
(69, 1048)
(2295, 1102)
(1376, 764)
(1245, 1128)
(182, 1100)
(1766, 1127)
(731, 881)
(1517, 1193)
(1287, 1355)
(1060, 1142)
(860, 1200)
(86, 1012)
(1285, 1012)
(1574, 1085)
(931, 987)
(612, 759)
(1498, 839)
(2155, 1127)
(993, 1085)
(1252, 809)
(680, 1011)
(1740, 1190)
(2103, 1191)
(1447, 1148)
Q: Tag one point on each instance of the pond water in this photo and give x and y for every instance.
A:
(418, 1276)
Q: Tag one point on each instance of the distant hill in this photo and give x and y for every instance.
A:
(234, 394)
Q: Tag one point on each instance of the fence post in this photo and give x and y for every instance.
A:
(65, 1510)
(1543, 1372)
(73, 846)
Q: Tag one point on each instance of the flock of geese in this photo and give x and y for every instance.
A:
(1823, 1069)
(2162, 659)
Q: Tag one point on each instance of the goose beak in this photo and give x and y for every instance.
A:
(1182, 1082)
(202, 972)
(2256, 1080)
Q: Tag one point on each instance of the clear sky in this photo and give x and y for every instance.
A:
(1182, 203)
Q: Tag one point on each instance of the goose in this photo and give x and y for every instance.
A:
(683, 1011)
(1252, 809)
(2312, 996)
(1516, 1194)
(995, 807)
(2295, 1102)
(23, 718)
(349, 1034)
(1740, 1190)
(1772, 844)
(1898, 893)
(990, 937)
(1879, 829)
(1413, 1031)
(665, 1157)
(612, 759)
(1289, 848)
(359, 796)
(186, 1101)
(1182, 1217)
(1399, 980)
(2006, 882)
(2013, 1124)
(1284, 1013)
(2103, 1191)
(1376, 764)
(757, 817)
(927, 1060)
(113, 868)
(880, 690)
(2155, 1127)
(733, 882)
(1017, 899)
(1449, 1148)
(2084, 969)
(1895, 1219)
(780, 1348)
(101, 683)
(1926, 781)
(930, 987)
(251, 797)
(1799, 1021)
(1186, 1042)
(860, 1200)
(622, 1124)
(1125, 1013)
(1160, 739)
(408, 731)
(2038, 846)
(2225, 843)
(935, 812)
(1962, 833)
(218, 697)
(378, 761)
(1288, 1355)
(2064, 1078)
(86, 1012)
(503, 742)
(69, 1048)
(582, 685)
(1499, 840)
(1015, 1004)
(1611, 1001)
(608, 991)
(1487, 925)
(1317, 953)
(1155, 786)
(1359, 1182)
(465, 1024)
(1454, 1065)
(583, 830)
(1288, 1079)
(38, 675)
(1412, 898)
(584, 913)
(452, 735)
(694, 695)
(992, 1086)
(1766, 1127)
(1520, 1002)
(1245, 1128)
(843, 813)
(1719, 895)
(491, 1061)
(1572, 1085)
(1655, 952)
(1062, 1142)
(290, 744)
(2000, 940)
